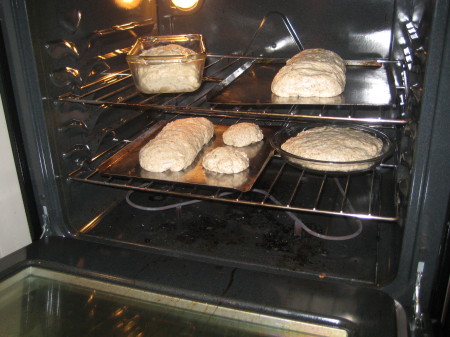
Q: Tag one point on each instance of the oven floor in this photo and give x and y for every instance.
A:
(254, 237)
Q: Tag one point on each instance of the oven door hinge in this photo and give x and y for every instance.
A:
(418, 315)
(45, 220)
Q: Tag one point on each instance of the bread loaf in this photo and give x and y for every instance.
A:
(311, 73)
(168, 76)
(176, 145)
(334, 144)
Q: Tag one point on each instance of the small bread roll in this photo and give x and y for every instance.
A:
(226, 159)
(242, 134)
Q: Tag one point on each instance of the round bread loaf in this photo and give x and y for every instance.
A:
(242, 134)
(311, 73)
(226, 159)
(334, 144)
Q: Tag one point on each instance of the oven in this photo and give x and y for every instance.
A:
(284, 247)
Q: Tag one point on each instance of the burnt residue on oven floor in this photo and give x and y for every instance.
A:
(244, 235)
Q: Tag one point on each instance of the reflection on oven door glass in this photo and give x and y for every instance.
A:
(37, 302)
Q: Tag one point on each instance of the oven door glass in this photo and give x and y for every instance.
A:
(39, 302)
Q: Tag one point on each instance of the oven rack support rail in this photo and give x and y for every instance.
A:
(116, 88)
(372, 195)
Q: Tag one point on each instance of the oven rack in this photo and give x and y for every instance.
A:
(117, 89)
(371, 195)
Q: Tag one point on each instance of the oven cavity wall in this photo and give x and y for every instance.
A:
(83, 42)
(62, 47)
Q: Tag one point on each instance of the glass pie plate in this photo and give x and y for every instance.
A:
(334, 167)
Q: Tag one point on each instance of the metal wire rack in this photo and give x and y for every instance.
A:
(117, 89)
(371, 195)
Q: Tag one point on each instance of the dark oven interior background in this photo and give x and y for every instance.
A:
(89, 108)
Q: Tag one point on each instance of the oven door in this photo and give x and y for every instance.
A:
(65, 287)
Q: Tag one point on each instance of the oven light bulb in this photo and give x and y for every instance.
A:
(185, 4)
(128, 4)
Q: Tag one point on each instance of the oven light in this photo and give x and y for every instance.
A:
(128, 4)
(185, 5)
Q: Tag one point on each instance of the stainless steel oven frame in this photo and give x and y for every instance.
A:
(73, 112)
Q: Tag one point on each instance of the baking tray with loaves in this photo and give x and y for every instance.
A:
(125, 162)
(368, 83)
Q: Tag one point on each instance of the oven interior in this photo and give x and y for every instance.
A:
(340, 227)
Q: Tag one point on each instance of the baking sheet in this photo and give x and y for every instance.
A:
(125, 163)
(365, 85)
